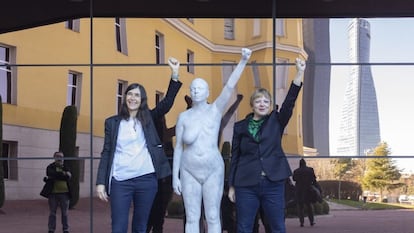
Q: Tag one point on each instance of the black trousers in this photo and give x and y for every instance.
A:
(301, 212)
(160, 205)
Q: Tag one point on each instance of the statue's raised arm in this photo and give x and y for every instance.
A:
(225, 95)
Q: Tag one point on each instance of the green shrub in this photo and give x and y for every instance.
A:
(67, 145)
(349, 190)
(318, 209)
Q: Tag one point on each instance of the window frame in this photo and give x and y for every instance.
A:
(10, 152)
(159, 44)
(11, 74)
(74, 90)
(73, 24)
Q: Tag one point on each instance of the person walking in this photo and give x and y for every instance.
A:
(259, 166)
(133, 158)
(57, 190)
(304, 177)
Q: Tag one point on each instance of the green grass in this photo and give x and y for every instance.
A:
(373, 205)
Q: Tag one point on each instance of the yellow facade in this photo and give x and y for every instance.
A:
(49, 52)
(41, 90)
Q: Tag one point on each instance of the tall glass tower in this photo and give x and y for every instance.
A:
(359, 128)
(316, 88)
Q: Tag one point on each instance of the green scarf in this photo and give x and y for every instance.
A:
(254, 127)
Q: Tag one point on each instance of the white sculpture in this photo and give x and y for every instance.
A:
(198, 167)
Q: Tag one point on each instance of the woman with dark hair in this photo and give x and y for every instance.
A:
(133, 157)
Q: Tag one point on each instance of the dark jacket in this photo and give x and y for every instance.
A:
(249, 157)
(305, 178)
(154, 145)
(51, 176)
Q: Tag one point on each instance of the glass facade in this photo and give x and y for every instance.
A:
(45, 69)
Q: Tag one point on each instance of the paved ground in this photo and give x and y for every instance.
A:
(31, 217)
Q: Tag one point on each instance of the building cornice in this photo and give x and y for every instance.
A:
(192, 34)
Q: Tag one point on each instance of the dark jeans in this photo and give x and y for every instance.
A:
(260, 216)
(268, 194)
(159, 206)
(141, 192)
(61, 200)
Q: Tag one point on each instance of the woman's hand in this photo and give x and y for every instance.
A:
(231, 194)
(300, 68)
(300, 65)
(174, 66)
(100, 191)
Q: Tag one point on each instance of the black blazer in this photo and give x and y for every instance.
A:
(51, 176)
(249, 157)
(154, 145)
(304, 177)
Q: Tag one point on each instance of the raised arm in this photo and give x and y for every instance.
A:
(174, 86)
(288, 104)
(300, 68)
(224, 97)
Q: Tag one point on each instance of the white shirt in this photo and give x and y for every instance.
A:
(132, 158)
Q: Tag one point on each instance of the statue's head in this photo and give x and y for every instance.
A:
(199, 90)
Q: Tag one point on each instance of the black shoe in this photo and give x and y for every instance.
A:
(312, 223)
(65, 231)
(50, 232)
(301, 225)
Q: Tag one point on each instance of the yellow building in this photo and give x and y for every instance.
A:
(89, 65)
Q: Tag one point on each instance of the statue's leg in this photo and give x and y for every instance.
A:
(212, 195)
(192, 195)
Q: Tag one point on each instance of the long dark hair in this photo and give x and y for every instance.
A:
(143, 114)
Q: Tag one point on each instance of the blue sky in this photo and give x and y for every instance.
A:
(392, 40)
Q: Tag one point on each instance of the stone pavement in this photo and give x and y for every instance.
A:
(31, 217)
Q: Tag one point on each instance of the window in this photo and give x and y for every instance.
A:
(73, 24)
(122, 85)
(9, 166)
(74, 89)
(227, 131)
(256, 74)
(159, 48)
(281, 74)
(280, 85)
(280, 27)
(120, 35)
(7, 75)
(256, 27)
(229, 29)
(190, 60)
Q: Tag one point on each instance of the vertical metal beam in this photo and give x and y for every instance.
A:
(274, 52)
(91, 119)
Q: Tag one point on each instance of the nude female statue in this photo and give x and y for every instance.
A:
(198, 167)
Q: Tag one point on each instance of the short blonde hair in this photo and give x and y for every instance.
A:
(260, 92)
